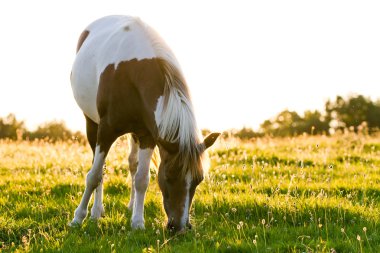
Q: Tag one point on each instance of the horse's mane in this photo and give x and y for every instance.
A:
(177, 122)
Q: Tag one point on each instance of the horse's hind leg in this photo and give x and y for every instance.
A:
(105, 138)
(133, 162)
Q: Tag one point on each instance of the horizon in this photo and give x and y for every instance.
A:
(244, 63)
(376, 101)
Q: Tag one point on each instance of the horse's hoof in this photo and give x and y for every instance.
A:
(97, 212)
(75, 224)
(138, 225)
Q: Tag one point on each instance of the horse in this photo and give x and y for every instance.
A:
(126, 79)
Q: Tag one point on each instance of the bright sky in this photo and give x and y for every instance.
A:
(245, 61)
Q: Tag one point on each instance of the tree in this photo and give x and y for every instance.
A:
(55, 131)
(351, 113)
(285, 123)
(313, 122)
(247, 133)
(11, 128)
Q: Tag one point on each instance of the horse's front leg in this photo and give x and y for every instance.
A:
(141, 181)
(133, 162)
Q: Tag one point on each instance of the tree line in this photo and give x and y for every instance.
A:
(13, 129)
(354, 113)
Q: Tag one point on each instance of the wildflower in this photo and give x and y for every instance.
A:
(365, 229)
(157, 232)
(24, 240)
(241, 223)
(320, 225)
(358, 237)
(254, 241)
(238, 226)
(233, 209)
(263, 221)
(342, 230)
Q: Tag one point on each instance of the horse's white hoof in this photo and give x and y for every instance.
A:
(79, 216)
(97, 212)
(138, 225)
(75, 223)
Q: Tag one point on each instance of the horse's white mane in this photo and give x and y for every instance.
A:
(176, 120)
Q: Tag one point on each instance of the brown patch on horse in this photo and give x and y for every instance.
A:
(82, 38)
(127, 98)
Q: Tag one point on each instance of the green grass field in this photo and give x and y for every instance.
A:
(304, 194)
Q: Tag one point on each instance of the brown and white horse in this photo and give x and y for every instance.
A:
(126, 80)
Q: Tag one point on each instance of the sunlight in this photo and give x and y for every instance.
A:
(244, 63)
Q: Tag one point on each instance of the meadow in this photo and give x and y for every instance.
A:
(301, 194)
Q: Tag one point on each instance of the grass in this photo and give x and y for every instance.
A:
(304, 194)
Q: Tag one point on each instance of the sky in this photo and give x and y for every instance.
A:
(244, 61)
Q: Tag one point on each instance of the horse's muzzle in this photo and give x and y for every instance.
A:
(176, 228)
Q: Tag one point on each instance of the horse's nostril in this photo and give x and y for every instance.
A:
(170, 226)
(173, 228)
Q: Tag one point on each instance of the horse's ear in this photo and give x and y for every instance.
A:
(210, 139)
(170, 147)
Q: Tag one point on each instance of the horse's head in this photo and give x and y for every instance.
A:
(178, 184)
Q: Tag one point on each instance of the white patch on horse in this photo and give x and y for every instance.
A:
(93, 179)
(158, 110)
(109, 43)
(141, 184)
(185, 214)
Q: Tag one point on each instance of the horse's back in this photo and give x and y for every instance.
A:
(106, 41)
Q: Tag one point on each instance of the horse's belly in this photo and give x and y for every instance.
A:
(85, 88)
